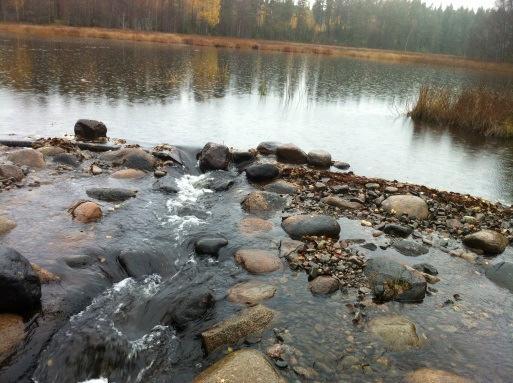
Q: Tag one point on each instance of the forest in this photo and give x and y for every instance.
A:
(403, 25)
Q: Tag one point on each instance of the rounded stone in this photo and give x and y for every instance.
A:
(251, 293)
(489, 241)
(406, 204)
(427, 375)
(128, 174)
(214, 157)
(87, 212)
(27, 157)
(324, 285)
(319, 159)
(268, 147)
(262, 203)
(396, 332)
(11, 172)
(341, 165)
(252, 225)
(258, 261)
(291, 154)
(210, 245)
(6, 225)
(300, 226)
(281, 187)
(12, 333)
(262, 172)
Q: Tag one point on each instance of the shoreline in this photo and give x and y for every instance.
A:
(255, 44)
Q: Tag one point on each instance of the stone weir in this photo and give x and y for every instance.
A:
(125, 263)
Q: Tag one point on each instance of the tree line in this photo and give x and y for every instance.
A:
(406, 25)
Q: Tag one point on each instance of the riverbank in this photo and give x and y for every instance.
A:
(169, 260)
(264, 45)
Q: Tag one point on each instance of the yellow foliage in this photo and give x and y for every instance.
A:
(208, 11)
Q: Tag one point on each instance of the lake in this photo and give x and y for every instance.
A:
(151, 93)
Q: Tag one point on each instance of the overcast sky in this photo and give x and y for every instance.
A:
(465, 3)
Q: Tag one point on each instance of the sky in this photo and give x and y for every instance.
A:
(475, 4)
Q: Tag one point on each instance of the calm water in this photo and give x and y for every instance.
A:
(188, 95)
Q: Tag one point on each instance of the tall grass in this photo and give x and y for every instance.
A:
(479, 109)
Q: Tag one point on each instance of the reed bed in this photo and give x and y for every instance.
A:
(479, 109)
(264, 45)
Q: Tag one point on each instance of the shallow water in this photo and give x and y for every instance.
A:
(189, 95)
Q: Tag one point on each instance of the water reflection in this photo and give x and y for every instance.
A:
(189, 95)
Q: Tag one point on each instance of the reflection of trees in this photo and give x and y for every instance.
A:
(209, 74)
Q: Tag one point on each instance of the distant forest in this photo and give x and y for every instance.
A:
(404, 25)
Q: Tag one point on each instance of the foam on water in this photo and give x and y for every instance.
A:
(99, 380)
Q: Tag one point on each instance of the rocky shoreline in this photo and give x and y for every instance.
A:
(296, 188)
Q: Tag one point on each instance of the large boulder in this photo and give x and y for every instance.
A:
(267, 147)
(6, 225)
(251, 293)
(300, 226)
(210, 245)
(258, 261)
(324, 285)
(389, 280)
(27, 157)
(281, 187)
(11, 172)
(218, 180)
(90, 130)
(342, 203)
(291, 154)
(319, 159)
(243, 366)
(502, 274)
(427, 375)
(396, 332)
(489, 241)
(131, 158)
(86, 212)
(263, 203)
(19, 284)
(214, 157)
(262, 172)
(243, 157)
(166, 185)
(406, 204)
(251, 225)
(111, 194)
(12, 333)
(239, 326)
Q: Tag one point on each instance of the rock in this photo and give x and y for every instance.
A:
(231, 330)
(262, 203)
(289, 248)
(427, 375)
(218, 180)
(158, 173)
(131, 158)
(319, 159)
(86, 212)
(426, 268)
(412, 206)
(258, 261)
(410, 248)
(300, 226)
(12, 333)
(502, 274)
(6, 225)
(95, 170)
(281, 187)
(210, 245)
(27, 157)
(90, 130)
(111, 194)
(305, 372)
(341, 165)
(79, 261)
(243, 366)
(324, 285)
(167, 185)
(391, 189)
(11, 172)
(50, 151)
(132, 174)
(489, 241)
(214, 157)
(44, 275)
(291, 154)
(268, 147)
(396, 230)
(66, 159)
(342, 203)
(241, 157)
(252, 225)
(251, 293)
(397, 332)
(389, 280)
(20, 286)
(372, 186)
(262, 172)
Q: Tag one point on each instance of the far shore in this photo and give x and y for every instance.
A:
(263, 45)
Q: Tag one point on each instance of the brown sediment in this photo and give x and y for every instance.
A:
(264, 45)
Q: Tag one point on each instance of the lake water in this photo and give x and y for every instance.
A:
(185, 95)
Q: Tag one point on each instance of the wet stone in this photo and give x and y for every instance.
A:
(300, 226)
(11, 172)
(251, 293)
(258, 261)
(79, 261)
(240, 157)
(268, 147)
(214, 157)
(86, 212)
(12, 333)
(132, 158)
(409, 248)
(66, 159)
(281, 187)
(410, 205)
(291, 154)
(396, 230)
(111, 194)
(210, 245)
(396, 332)
(166, 185)
(262, 172)
(319, 159)
(502, 274)
(426, 268)
(251, 225)
(263, 203)
(489, 241)
(90, 130)
(426, 375)
(217, 180)
(27, 157)
(324, 285)
(341, 165)
(129, 174)
(6, 225)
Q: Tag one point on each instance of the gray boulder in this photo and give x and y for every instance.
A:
(263, 203)
(268, 147)
(281, 187)
(319, 159)
(291, 154)
(210, 245)
(409, 248)
(111, 194)
(406, 204)
(262, 172)
(214, 157)
(90, 130)
(489, 241)
(300, 226)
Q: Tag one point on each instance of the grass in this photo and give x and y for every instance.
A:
(264, 45)
(481, 110)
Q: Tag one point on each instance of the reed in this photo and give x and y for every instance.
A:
(263, 45)
(479, 109)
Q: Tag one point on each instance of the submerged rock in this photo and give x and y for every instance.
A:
(86, 212)
(389, 280)
(410, 248)
(341, 165)
(111, 194)
(241, 157)
(44, 275)
(291, 154)
(502, 274)
(27, 157)
(50, 151)
(426, 268)
(281, 187)
(300, 226)
(262, 172)
(252, 225)
(132, 174)
(427, 375)
(268, 147)
(167, 185)
(406, 204)
(258, 261)
(251, 293)
(6, 225)
(489, 241)
(12, 333)
(397, 332)
(396, 230)
(243, 366)
(263, 203)
(66, 159)
(90, 130)
(11, 172)
(324, 285)
(210, 245)
(231, 330)
(319, 159)
(214, 157)
(342, 203)
(19, 284)
(218, 180)
(131, 158)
